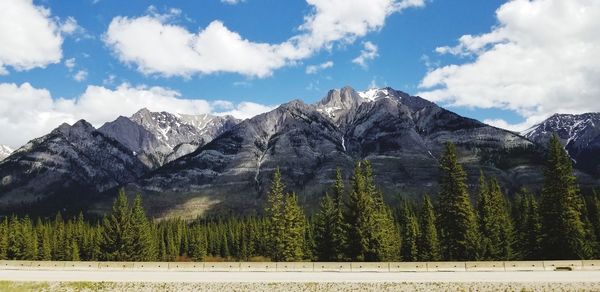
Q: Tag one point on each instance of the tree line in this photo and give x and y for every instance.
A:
(352, 223)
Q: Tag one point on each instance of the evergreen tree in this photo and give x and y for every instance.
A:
(16, 246)
(563, 228)
(495, 226)
(4, 238)
(143, 244)
(528, 226)
(358, 217)
(410, 234)
(293, 237)
(58, 239)
(338, 224)
(309, 240)
(593, 205)
(117, 238)
(457, 219)
(371, 232)
(326, 249)
(74, 251)
(29, 237)
(429, 245)
(274, 214)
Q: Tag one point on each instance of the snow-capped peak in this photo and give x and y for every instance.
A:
(374, 93)
(580, 129)
(5, 151)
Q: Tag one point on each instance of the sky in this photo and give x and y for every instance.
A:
(507, 63)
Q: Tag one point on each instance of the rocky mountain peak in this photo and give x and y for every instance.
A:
(79, 128)
(579, 134)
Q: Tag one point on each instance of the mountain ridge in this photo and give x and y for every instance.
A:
(189, 166)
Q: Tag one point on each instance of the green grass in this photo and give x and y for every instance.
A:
(23, 286)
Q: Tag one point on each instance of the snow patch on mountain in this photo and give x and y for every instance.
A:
(5, 151)
(579, 134)
(157, 138)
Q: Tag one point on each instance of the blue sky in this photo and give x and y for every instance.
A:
(418, 44)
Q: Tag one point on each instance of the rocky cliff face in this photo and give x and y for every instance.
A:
(580, 134)
(188, 166)
(58, 171)
(160, 137)
(402, 135)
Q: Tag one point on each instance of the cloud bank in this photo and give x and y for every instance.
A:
(543, 57)
(27, 112)
(30, 37)
(154, 45)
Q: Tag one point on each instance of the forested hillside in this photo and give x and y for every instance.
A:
(353, 224)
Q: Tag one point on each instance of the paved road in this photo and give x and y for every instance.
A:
(253, 277)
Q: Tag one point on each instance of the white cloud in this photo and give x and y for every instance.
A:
(373, 84)
(542, 58)
(245, 110)
(369, 52)
(313, 69)
(80, 76)
(27, 112)
(156, 46)
(70, 63)
(110, 80)
(232, 2)
(70, 26)
(31, 38)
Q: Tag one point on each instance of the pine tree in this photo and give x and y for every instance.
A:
(410, 234)
(326, 249)
(4, 238)
(486, 221)
(294, 232)
(429, 245)
(16, 244)
(593, 205)
(504, 247)
(495, 225)
(309, 240)
(117, 238)
(143, 244)
(338, 224)
(274, 214)
(457, 219)
(58, 239)
(29, 245)
(372, 234)
(45, 247)
(528, 226)
(563, 229)
(75, 251)
(357, 217)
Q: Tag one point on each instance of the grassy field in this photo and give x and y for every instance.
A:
(107, 286)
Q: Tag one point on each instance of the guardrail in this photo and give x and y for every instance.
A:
(384, 267)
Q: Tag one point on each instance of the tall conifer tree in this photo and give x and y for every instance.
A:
(563, 228)
(457, 219)
(429, 245)
(116, 244)
(143, 245)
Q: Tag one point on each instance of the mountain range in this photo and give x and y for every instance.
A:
(192, 165)
(580, 134)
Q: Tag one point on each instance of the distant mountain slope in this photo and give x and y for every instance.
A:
(5, 151)
(580, 134)
(160, 137)
(61, 170)
(402, 135)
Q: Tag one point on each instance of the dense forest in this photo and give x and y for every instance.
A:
(352, 224)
